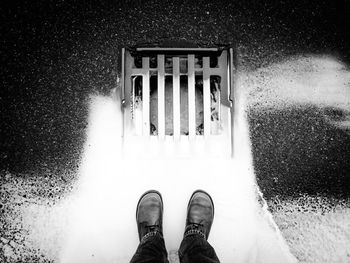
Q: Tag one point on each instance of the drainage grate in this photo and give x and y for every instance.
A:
(177, 92)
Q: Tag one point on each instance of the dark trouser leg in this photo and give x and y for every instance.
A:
(151, 250)
(195, 249)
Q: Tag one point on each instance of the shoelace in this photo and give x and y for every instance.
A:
(195, 225)
(194, 228)
(152, 230)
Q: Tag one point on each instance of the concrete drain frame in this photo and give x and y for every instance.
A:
(181, 94)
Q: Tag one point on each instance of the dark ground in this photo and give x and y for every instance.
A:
(54, 54)
(296, 152)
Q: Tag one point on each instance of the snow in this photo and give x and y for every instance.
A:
(308, 79)
(102, 224)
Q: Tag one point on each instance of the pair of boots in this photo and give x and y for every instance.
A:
(193, 248)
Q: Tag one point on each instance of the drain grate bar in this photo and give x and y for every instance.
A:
(191, 98)
(161, 97)
(146, 97)
(206, 97)
(176, 97)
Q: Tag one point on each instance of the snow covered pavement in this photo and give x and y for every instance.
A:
(102, 214)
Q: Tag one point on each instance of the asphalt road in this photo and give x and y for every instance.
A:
(296, 151)
(54, 54)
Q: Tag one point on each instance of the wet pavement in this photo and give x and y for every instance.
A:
(55, 54)
(296, 152)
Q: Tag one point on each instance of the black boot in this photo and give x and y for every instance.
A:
(200, 214)
(149, 215)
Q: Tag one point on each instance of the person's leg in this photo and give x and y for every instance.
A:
(195, 249)
(200, 215)
(151, 250)
(149, 216)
